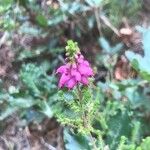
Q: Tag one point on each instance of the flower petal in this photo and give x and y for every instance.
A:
(76, 74)
(74, 65)
(84, 80)
(80, 60)
(64, 78)
(62, 69)
(86, 63)
(85, 70)
(71, 83)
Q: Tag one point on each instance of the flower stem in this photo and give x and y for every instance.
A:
(85, 118)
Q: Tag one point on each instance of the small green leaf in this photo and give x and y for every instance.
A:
(119, 125)
(41, 20)
(146, 44)
(145, 144)
(93, 3)
(75, 142)
(6, 3)
(22, 102)
(8, 111)
(105, 45)
(117, 48)
(45, 109)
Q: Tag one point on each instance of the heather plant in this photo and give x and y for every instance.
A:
(90, 113)
(94, 116)
(81, 105)
(95, 113)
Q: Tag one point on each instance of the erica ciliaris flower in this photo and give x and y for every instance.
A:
(76, 71)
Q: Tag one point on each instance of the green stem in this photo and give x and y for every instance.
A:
(85, 118)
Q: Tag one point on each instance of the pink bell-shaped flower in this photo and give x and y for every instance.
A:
(71, 83)
(75, 72)
(64, 78)
(61, 69)
(84, 80)
(85, 70)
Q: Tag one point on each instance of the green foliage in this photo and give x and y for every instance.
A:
(145, 144)
(41, 20)
(120, 9)
(141, 64)
(74, 141)
(71, 48)
(108, 115)
(32, 94)
(107, 48)
(109, 55)
(5, 5)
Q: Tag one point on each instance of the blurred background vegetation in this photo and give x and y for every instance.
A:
(113, 35)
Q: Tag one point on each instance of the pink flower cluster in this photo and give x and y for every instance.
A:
(72, 74)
